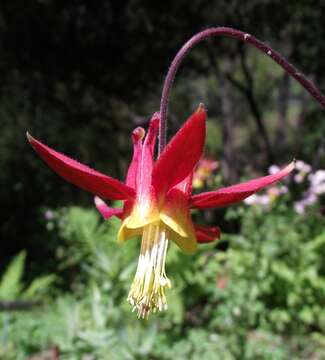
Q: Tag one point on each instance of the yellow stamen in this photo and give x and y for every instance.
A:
(147, 292)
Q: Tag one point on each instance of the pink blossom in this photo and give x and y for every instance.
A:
(49, 215)
(273, 169)
(299, 178)
(303, 167)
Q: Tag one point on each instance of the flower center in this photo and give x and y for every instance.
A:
(147, 292)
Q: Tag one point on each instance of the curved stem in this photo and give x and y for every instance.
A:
(232, 33)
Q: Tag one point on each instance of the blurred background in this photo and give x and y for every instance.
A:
(80, 76)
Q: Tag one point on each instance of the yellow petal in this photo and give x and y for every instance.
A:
(143, 214)
(175, 223)
(125, 233)
(187, 244)
(176, 215)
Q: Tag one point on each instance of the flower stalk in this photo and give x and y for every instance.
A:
(236, 34)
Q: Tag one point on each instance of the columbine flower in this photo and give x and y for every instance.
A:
(204, 169)
(157, 200)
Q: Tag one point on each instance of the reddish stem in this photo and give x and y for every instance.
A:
(232, 33)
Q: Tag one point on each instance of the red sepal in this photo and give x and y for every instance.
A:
(106, 211)
(146, 161)
(235, 193)
(206, 234)
(82, 175)
(181, 153)
(137, 136)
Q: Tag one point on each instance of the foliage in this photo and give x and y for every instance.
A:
(12, 286)
(262, 298)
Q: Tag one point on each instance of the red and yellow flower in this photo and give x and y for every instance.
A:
(203, 172)
(157, 199)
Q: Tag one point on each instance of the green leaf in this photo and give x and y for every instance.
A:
(10, 285)
(39, 286)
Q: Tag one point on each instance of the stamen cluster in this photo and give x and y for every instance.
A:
(147, 292)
